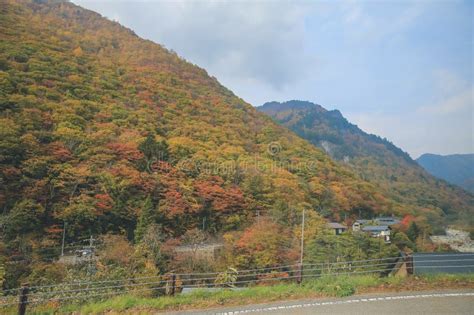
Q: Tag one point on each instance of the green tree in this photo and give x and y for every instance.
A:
(402, 241)
(147, 217)
(413, 231)
(24, 217)
(153, 151)
(11, 149)
(150, 245)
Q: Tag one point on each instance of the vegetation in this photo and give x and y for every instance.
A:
(112, 139)
(378, 161)
(321, 287)
(455, 169)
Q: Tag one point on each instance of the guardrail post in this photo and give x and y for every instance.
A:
(299, 274)
(23, 299)
(409, 264)
(173, 284)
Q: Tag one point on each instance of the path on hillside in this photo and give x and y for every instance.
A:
(433, 302)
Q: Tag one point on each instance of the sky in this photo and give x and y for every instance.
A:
(402, 70)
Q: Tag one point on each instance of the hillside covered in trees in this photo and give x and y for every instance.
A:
(107, 135)
(457, 169)
(374, 159)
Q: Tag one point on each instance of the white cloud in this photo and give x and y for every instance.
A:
(443, 127)
(459, 102)
(420, 133)
(454, 95)
(364, 23)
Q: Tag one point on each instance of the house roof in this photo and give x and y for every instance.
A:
(388, 220)
(362, 221)
(335, 225)
(375, 228)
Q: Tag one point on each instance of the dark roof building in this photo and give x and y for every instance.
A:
(337, 227)
(382, 231)
(375, 228)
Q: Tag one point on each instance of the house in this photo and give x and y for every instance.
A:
(384, 221)
(357, 225)
(337, 227)
(382, 231)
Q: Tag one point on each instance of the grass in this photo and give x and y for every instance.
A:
(322, 287)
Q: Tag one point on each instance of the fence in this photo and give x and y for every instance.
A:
(431, 263)
(173, 283)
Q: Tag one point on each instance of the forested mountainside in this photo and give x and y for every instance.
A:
(458, 169)
(373, 158)
(104, 133)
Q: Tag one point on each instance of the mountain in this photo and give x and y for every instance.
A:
(374, 159)
(112, 139)
(104, 132)
(458, 169)
(330, 131)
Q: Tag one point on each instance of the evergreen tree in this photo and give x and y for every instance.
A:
(147, 217)
(153, 149)
(413, 231)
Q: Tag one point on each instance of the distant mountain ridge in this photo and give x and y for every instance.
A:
(457, 169)
(375, 159)
(319, 125)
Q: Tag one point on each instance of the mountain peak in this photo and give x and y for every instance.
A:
(330, 127)
(290, 105)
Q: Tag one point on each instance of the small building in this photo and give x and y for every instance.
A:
(382, 231)
(79, 256)
(358, 224)
(337, 228)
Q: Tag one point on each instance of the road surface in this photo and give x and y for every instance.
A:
(434, 302)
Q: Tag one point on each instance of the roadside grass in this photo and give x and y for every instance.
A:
(321, 287)
(448, 277)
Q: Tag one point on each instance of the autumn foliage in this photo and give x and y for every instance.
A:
(109, 134)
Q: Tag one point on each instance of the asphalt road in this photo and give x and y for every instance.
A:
(433, 302)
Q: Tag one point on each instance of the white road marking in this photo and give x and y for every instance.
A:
(386, 298)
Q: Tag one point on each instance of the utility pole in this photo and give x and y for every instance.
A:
(299, 277)
(91, 242)
(64, 237)
(302, 238)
